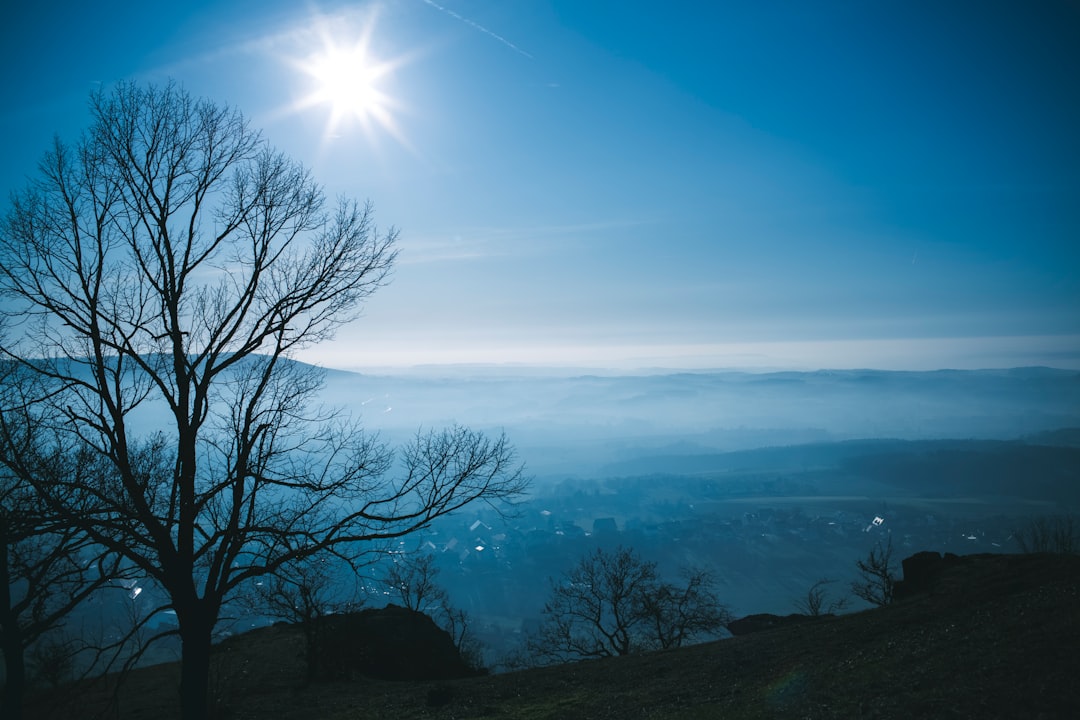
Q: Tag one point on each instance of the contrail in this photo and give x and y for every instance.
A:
(478, 26)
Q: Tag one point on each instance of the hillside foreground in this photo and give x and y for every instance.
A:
(997, 637)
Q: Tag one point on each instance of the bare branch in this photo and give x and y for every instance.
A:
(616, 604)
(169, 263)
(817, 602)
(878, 575)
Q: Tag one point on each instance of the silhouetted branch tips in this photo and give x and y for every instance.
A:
(171, 259)
(48, 565)
(302, 592)
(877, 574)
(1049, 534)
(412, 580)
(817, 602)
(616, 604)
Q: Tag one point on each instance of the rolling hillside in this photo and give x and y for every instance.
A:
(996, 637)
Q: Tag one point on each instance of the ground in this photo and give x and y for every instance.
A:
(998, 638)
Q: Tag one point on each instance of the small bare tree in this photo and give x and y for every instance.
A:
(413, 580)
(817, 601)
(302, 592)
(458, 624)
(1050, 534)
(160, 274)
(677, 614)
(877, 575)
(616, 604)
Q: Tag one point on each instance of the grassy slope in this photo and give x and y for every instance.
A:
(999, 640)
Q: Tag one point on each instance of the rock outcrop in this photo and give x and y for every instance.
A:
(393, 643)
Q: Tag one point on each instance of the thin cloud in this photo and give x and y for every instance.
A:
(486, 242)
(477, 26)
(280, 37)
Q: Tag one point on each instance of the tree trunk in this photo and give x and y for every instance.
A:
(195, 634)
(311, 647)
(11, 698)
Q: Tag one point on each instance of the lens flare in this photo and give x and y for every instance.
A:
(344, 76)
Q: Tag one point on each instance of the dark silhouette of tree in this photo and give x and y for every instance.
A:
(817, 601)
(1049, 534)
(412, 579)
(615, 604)
(877, 575)
(302, 592)
(678, 614)
(458, 624)
(160, 273)
(48, 566)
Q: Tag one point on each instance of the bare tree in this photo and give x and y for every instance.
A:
(817, 601)
(1050, 534)
(48, 567)
(160, 273)
(676, 615)
(458, 624)
(302, 592)
(413, 580)
(46, 571)
(877, 574)
(615, 604)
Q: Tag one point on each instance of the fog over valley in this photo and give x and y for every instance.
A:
(592, 424)
(771, 481)
(768, 481)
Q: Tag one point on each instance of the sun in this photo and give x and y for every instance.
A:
(349, 81)
(346, 80)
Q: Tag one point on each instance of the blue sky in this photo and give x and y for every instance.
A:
(631, 184)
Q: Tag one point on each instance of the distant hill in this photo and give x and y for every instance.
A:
(1065, 437)
(997, 637)
(1044, 467)
(578, 424)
